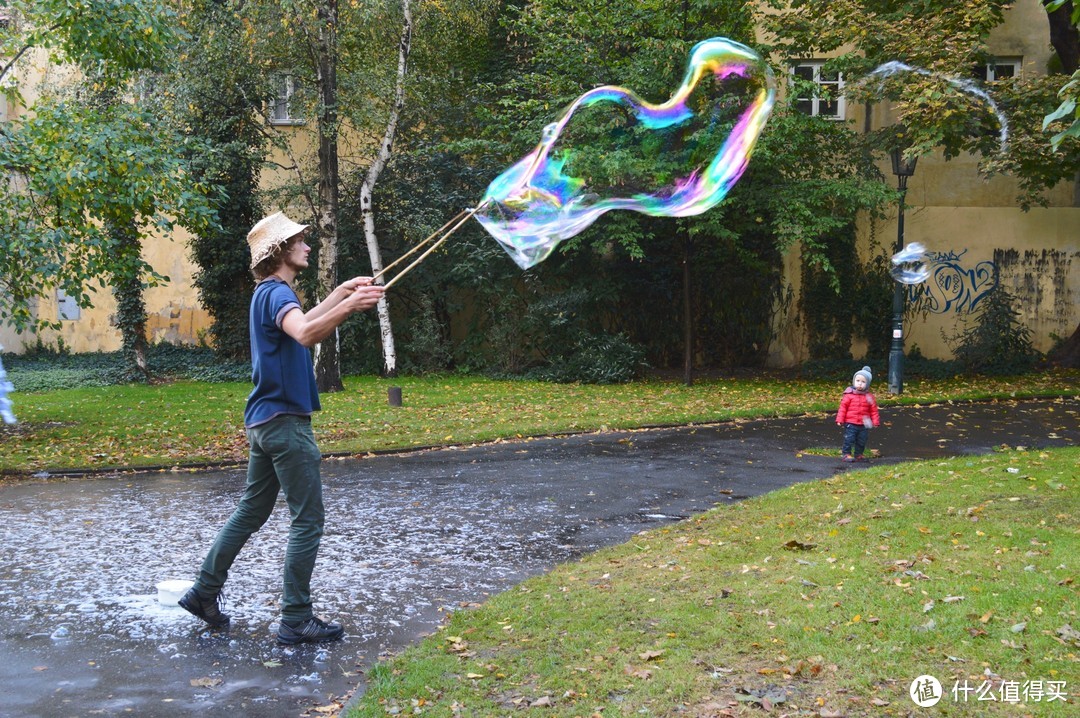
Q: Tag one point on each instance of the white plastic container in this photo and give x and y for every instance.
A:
(169, 592)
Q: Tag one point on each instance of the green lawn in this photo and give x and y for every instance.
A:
(827, 599)
(190, 423)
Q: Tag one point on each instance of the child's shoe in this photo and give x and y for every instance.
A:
(847, 457)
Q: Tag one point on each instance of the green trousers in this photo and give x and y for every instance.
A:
(283, 457)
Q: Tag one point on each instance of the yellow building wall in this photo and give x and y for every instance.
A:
(974, 231)
(1032, 254)
(174, 313)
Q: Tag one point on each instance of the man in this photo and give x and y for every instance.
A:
(283, 455)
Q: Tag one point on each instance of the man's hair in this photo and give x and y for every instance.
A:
(276, 258)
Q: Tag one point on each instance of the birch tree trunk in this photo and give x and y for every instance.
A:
(327, 352)
(367, 188)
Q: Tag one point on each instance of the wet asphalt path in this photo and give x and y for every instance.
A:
(409, 537)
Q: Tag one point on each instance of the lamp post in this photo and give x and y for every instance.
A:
(903, 168)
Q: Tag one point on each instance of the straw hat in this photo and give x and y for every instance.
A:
(268, 233)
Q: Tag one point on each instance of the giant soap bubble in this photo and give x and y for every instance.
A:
(609, 149)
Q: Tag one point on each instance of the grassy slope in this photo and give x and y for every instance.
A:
(830, 596)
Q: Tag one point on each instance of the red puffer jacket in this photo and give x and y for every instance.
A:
(857, 405)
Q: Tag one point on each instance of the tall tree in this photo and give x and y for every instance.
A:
(214, 90)
(94, 175)
(449, 56)
(371, 177)
(327, 353)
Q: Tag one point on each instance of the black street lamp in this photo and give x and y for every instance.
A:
(903, 167)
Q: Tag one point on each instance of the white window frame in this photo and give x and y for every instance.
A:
(835, 87)
(281, 113)
(989, 70)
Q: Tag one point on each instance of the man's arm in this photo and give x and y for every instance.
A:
(317, 324)
(340, 292)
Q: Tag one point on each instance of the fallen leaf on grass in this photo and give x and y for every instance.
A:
(714, 709)
(649, 655)
(795, 545)
(1067, 632)
(808, 668)
(767, 696)
(642, 673)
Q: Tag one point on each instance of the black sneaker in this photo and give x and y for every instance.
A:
(313, 630)
(208, 608)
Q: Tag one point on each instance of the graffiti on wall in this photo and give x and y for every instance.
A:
(954, 285)
(1044, 284)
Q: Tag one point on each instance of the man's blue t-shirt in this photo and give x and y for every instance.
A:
(281, 367)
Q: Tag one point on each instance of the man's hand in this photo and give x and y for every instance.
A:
(350, 284)
(363, 296)
(354, 295)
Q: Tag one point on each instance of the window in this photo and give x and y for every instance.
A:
(284, 108)
(998, 69)
(827, 100)
(66, 307)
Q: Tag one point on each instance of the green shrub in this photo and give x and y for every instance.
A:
(424, 349)
(44, 369)
(997, 343)
(595, 359)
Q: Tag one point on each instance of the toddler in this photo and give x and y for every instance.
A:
(858, 414)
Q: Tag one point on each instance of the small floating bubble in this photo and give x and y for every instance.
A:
(910, 264)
